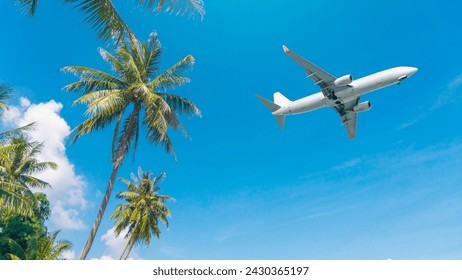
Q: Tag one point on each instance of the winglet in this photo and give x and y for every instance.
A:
(286, 50)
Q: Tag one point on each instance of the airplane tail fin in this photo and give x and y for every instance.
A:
(279, 101)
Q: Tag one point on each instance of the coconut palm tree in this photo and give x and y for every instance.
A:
(21, 200)
(5, 94)
(103, 15)
(18, 165)
(41, 248)
(136, 96)
(142, 210)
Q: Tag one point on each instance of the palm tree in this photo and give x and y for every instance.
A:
(142, 211)
(18, 164)
(103, 15)
(136, 96)
(13, 195)
(5, 93)
(40, 248)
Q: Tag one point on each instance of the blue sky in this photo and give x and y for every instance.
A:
(244, 189)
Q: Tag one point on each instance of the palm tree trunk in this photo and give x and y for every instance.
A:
(101, 210)
(130, 249)
(125, 249)
(117, 162)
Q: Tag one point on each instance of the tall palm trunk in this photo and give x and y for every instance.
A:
(130, 249)
(121, 257)
(117, 162)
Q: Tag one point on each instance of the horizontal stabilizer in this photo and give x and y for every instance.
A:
(274, 107)
(270, 105)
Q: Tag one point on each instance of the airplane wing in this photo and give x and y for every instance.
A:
(319, 76)
(348, 117)
(350, 120)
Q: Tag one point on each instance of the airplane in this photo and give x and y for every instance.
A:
(340, 93)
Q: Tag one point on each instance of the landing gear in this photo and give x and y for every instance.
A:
(330, 94)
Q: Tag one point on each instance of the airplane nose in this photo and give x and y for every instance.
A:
(412, 71)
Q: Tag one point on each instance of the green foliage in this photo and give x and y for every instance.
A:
(5, 94)
(18, 164)
(27, 6)
(40, 248)
(26, 237)
(137, 85)
(142, 210)
(23, 234)
(133, 97)
(106, 20)
(18, 229)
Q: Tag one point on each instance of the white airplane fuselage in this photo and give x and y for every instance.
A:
(354, 90)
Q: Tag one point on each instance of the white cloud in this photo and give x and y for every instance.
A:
(11, 114)
(455, 83)
(347, 164)
(413, 121)
(115, 245)
(65, 218)
(448, 96)
(67, 194)
(69, 255)
(24, 102)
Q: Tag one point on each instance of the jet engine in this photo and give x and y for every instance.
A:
(344, 80)
(362, 107)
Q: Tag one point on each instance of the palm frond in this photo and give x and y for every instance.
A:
(5, 94)
(15, 132)
(131, 71)
(181, 105)
(157, 119)
(115, 100)
(179, 7)
(116, 65)
(128, 135)
(98, 120)
(28, 6)
(171, 77)
(104, 18)
(51, 249)
(95, 98)
(15, 196)
(151, 54)
(91, 80)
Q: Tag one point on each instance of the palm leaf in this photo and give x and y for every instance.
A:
(5, 94)
(104, 18)
(171, 77)
(190, 7)
(28, 6)
(181, 105)
(15, 132)
(91, 80)
(98, 120)
(128, 136)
